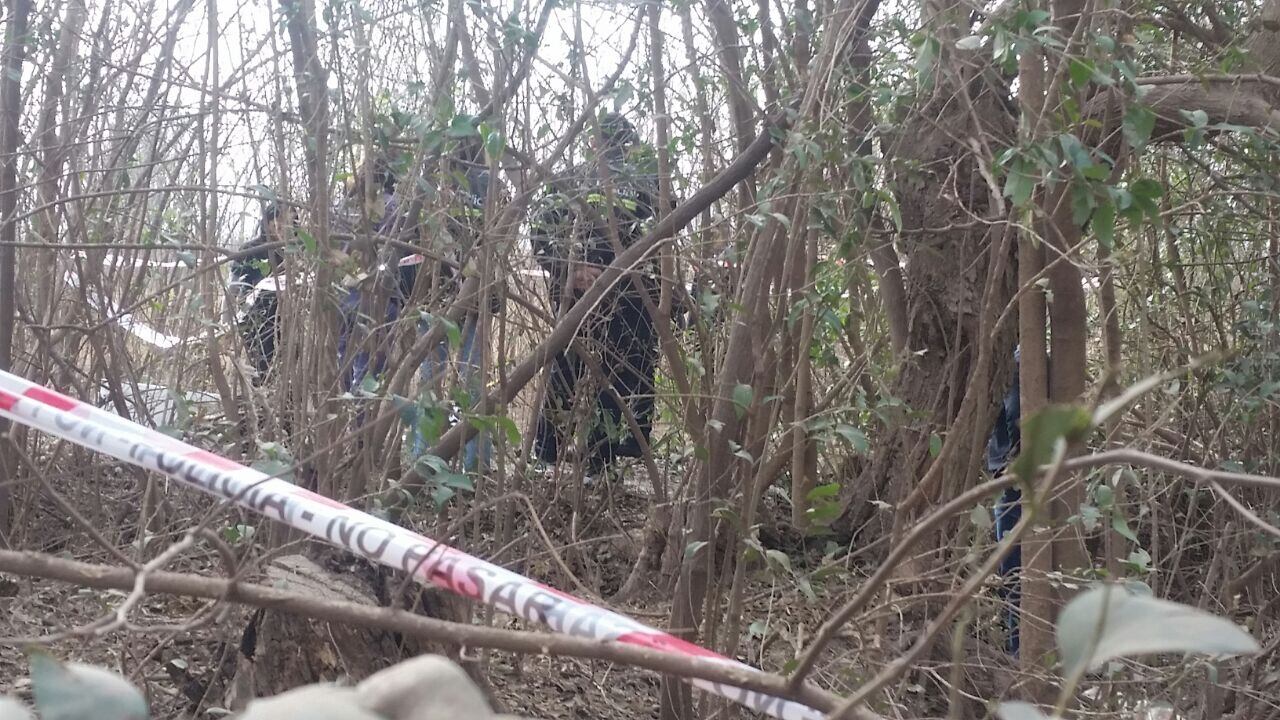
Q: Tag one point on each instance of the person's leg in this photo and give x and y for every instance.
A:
(480, 448)
(1008, 512)
(385, 335)
(269, 334)
(633, 378)
(436, 364)
(349, 310)
(429, 372)
(605, 421)
(251, 325)
(554, 418)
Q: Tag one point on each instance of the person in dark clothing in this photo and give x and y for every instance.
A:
(370, 208)
(255, 284)
(462, 192)
(572, 240)
(1002, 447)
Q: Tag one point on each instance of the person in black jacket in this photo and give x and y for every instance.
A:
(254, 281)
(616, 351)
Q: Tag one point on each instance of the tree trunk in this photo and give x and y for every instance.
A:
(15, 45)
(280, 651)
(947, 268)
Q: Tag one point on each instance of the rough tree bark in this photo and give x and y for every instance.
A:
(949, 222)
(15, 44)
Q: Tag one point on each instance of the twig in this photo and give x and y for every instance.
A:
(1210, 77)
(355, 614)
(960, 598)
(832, 626)
(1129, 456)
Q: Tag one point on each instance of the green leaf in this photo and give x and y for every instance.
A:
(895, 213)
(692, 549)
(1145, 192)
(430, 465)
(1004, 50)
(1109, 622)
(275, 468)
(824, 514)
(1104, 495)
(1080, 71)
(238, 533)
(509, 427)
(980, 516)
(1139, 561)
(457, 481)
(727, 514)
(264, 193)
(1075, 151)
(441, 495)
(742, 395)
(462, 126)
(1082, 204)
(927, 59)
(1041, 433)
(1020, 182)
(451, 329)
(1104, 224)
(779, 558)
(935, 445)
(1090, 517)
(855, 437)
(1031, 20)
(1233, 128)
(807, 588)
(406, 409)
(1018, 710)
(71, 691)
(1096, 172)
(1197, 118)
(971, 42)
(186, 257)
(494, 143)
(308, 241)
(823, 492)
(1121, 525)
(1139, 121)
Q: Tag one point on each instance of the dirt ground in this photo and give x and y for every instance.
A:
(187, 671)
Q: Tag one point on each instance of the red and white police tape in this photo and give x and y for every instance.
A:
(426, 560)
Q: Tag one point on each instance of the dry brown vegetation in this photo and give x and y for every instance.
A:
(864, 207)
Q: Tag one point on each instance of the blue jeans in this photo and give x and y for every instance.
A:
(468, 364)
(362, 363)
(1008, 512)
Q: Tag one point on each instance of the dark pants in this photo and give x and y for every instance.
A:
(259, 331)
(1008, 512)
(621, 342)
(350, 337)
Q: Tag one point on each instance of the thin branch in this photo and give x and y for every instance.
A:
(388, 619)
